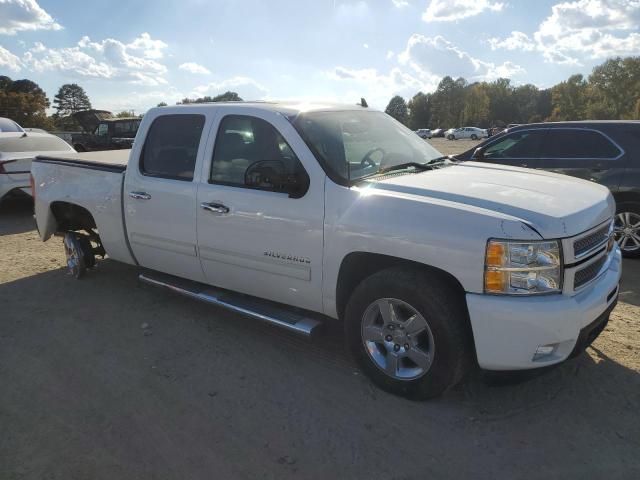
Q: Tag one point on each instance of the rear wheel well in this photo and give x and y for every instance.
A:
(357, 266)
(72, 217)
(627, 197)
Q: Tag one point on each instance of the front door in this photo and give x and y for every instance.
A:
(254, 236)
(160, 196)
(520, 149)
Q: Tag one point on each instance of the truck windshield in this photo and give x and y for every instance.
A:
(354, 144)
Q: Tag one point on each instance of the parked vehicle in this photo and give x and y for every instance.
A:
(438, 132)
(103, 132)
(604, 152)
(424, 133)
(8, 125)
(466, 132)
(296, 215)
(17, 149)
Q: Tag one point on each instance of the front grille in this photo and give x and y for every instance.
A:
(588, 273)
(591, 241)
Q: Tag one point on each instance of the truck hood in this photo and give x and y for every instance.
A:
(556, 206)
(89, 119)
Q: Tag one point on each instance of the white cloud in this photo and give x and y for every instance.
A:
(378, 87)
(578, 29)
(135, 62)
(20, 15)
(452, 10)
(438, 57)
(515, 41)
(246, 87)
(400, 3)
(196, 68)
(389, 55)
(9, 60)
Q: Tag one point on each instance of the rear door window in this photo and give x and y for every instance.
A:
(171, 147)
(518, 145)
(576, 143)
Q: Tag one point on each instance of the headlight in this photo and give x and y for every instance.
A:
(523, 268)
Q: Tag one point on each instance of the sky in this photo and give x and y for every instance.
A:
(132, 55)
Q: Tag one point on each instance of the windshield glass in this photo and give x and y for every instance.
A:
(33, 144)
(354, 144)
(7, 125)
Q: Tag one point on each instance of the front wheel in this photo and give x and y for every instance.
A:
(451, 137)
(627, 228)
(474, 137)
(408, 331)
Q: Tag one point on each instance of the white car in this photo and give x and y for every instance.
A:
(17, 149)
(423, 133)
(433, 266)
(466, 132)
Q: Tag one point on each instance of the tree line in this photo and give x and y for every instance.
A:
(612, 91)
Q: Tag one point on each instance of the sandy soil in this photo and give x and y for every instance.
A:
(87, 393)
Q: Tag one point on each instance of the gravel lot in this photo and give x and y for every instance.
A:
(87, 393)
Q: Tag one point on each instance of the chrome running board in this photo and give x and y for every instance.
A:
(252, 307)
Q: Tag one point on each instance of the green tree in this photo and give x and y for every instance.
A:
(23, 101)
(162, 104)
(71, 98)
(612, 85)
(419, 111)
(476, 108)
(398, 109)
(224, 97)
(501, 102)
(448, 102)
(525, 100)
(126, 114)
(569, 99)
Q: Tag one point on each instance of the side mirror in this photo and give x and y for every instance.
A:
(478, 154)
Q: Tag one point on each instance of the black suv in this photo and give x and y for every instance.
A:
(606, 152)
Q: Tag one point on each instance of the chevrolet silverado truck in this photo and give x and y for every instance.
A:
(296, 214)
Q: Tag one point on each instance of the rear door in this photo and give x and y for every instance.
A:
(253, 237)
(520, 149)
(160, 193)
(585, 153)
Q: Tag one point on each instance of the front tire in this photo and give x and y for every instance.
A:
(627, 228)
(474, 137)
(450, 137)
(408, 331)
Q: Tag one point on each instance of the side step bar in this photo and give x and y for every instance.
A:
(248, 306)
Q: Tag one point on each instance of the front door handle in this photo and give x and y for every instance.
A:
(214, 207)
(140, 195)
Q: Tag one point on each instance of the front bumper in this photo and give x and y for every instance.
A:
(508, 330)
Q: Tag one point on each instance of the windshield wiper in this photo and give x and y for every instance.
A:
(403, 166)
(439, 159)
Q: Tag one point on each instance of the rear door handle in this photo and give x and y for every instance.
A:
(140, 195)
(214, 207)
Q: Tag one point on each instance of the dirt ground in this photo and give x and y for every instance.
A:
(87, 393)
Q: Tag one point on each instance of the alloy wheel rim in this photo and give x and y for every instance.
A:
(627, 231)
(398, 339)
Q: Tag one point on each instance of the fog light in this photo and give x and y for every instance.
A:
(544, 351)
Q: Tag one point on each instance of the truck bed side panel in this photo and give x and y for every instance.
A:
(99, 190)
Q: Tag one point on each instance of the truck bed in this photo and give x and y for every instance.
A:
(107, 160)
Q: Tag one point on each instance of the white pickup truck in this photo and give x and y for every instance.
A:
(298, 213)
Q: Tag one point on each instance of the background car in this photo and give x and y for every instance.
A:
(104, 132)
(423, 133)
(473, 133)
(438, 132)
(17, 149)
(606, 152)
(8, 125)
